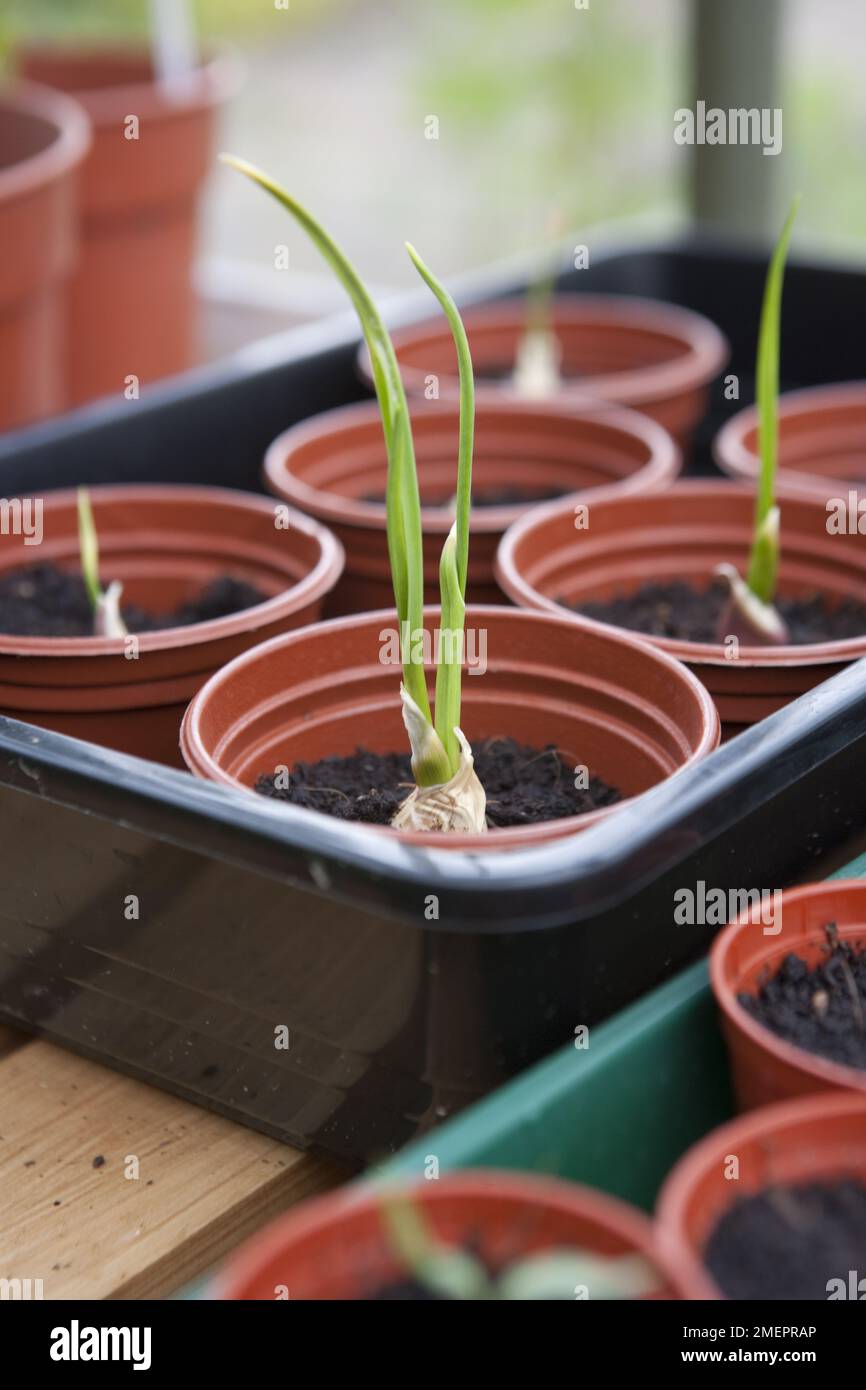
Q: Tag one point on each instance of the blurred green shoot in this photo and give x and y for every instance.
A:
(105, 603)
(762, 575)
(551, 1275)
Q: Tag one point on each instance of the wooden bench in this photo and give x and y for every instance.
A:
(110, 1188)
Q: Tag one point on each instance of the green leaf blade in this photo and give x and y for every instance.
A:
(449, 671)
(467, 414)
(762, 575)
(403, 503)
(88, 545)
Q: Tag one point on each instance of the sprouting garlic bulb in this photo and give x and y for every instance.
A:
(536, 375)
(107, 621)
(457, 806)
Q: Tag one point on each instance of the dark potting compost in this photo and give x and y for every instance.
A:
(44, 601)
(790, 1242)
(822, 1010)
(682, 612)
(523, 785)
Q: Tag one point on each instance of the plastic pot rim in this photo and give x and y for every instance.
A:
(523, 593)
(314, 584)
(72, 141)
(660, 468)
(707, 346)
(203, 764)
(323, 1213)
(824, 1070)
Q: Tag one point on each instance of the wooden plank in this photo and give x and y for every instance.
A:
(72, 1210)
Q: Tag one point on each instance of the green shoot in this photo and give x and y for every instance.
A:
(437, 752)
(402, 499)
(762, 575)
(454, 561)
(88, 545)
(539, 301)
(552, 1275)
(105, 603)
(538, 359)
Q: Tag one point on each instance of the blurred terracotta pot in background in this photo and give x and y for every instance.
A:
(334, 467)
(822, 440)
(654, 357)
(43, 139)
(132, 306)
(816, 1139)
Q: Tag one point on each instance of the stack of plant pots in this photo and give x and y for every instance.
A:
(821, 433)
(44, 139)
(131, 307)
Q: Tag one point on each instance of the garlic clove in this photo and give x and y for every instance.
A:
(457, 806)
(748, 618)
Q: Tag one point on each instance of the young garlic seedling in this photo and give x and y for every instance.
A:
(750, 614)
(537, 375)
(556, 1274)
(105, 603)
(447, 794)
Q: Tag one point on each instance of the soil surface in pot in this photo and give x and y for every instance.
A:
(822, 1010)
(688, 614)
(44, 601)
(790, 1242)
(523, 785)
(486, 497)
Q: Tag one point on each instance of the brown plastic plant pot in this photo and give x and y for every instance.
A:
(336, 1247)
(604, 699)
(682, 534)
(43, 139)
(764, 1067)
(165, 544)
(655, 357)
(822, 440)
(816, 1138)
(332, 465)
(131, 307)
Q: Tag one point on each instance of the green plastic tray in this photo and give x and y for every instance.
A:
(616, 1115)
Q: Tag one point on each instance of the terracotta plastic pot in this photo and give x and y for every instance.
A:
(683, 534)
(812, 1139)
(332, 465)
(822, 440)
(43, 139)
(166, 544)
(655, 357)
(765, 1067)
(336, 1248)
(131, 309)
(604, 699)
